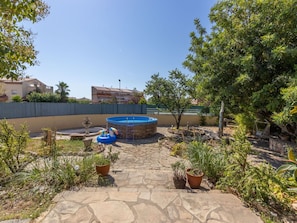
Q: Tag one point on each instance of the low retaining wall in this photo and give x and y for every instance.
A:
(36, 124)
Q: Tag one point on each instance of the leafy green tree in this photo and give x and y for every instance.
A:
(137, 95)
(142, 101)
(286, 119)
(16, 44)
(171, 93)
(63, 90)
(249, 55)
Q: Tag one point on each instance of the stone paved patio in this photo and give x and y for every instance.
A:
(143, 191)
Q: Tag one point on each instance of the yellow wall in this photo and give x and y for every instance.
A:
(35, 124)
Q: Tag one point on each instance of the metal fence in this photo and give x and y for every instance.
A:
(37, 109)
(194, 110)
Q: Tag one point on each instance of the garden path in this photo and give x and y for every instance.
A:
(143, 191)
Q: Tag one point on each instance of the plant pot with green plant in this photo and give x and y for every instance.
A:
(102, 165)
(103, 161)
(211, 161)
(196, 154)
(194, 176)
(179, 174)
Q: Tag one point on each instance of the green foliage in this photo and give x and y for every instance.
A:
(43, 97)
(237, 161)
(4, 170)
(112, 156)
(286, 119)
(209, 160)
(257, 185)
(179, 149)
(248, 57)
(101, 160)
(171, 94)
(35, 187)
(63, 172)
(80, 101)
(291, 168)
(245, 120)
(137, 97)
(104, 159)
(179, 169)
(202, 120)
(12, 146)
(63, 90)
(16, 44)
(16, 98)
(142, 101)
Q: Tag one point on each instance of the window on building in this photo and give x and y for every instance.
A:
(13, 92)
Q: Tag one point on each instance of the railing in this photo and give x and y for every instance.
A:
(190, 111)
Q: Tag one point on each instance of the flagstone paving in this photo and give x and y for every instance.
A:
(142, 191)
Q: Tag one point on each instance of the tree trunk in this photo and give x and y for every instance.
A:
(221, 120)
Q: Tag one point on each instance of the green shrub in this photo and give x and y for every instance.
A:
(206, 158)
(246, 121)
(179, 149)
(16, 98)
(12, 146)
(202, 120)
(43, 97)
(257, 185)
(289, 170)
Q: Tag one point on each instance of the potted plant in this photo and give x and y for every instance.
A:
(194, 176)
(198, 158)
(102, 164)
(179, 174)
(103, 161)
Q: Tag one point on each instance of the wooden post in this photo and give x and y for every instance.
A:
(221, 120)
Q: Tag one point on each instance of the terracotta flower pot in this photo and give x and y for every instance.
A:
(103, 170)
(193, 179)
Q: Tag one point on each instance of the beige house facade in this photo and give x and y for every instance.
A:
(22, 87)
(113, 95)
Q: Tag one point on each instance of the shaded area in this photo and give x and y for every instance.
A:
(261, 153)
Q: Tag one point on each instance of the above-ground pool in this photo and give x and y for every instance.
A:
(133, 127)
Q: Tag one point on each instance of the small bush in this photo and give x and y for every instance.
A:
(259, 186)
(179, 149)
(202, 120)
(16, 98)
(206, 158)
(12, 146)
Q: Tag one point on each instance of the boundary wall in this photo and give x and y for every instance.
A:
(36, 124)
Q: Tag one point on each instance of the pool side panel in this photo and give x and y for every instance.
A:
(147, 127)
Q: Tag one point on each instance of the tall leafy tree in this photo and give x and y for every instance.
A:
(248, 57)
(63, 90)
(137, 96)
(16, 44)
(171, 93)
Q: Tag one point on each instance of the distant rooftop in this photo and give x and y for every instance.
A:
(114, 89)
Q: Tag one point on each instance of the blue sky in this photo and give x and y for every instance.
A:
(97, 42)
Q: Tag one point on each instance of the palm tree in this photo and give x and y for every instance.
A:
(63, 91)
